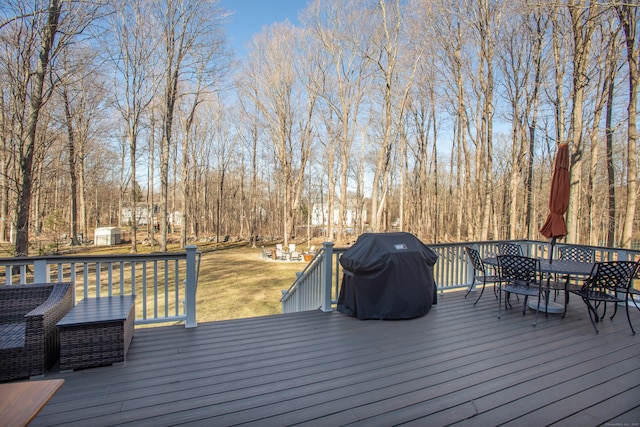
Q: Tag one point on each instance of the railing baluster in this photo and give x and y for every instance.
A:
(144, 287)
(176, 286)
(122, 279)
(98, 284)
(110, 276)
(163, 291)
(85, 273)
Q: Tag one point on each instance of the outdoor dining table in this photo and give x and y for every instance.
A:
(554, 266)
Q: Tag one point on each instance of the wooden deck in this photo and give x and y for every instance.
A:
(459, 365)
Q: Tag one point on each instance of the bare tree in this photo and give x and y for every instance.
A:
(223, 152)
(452, 43)
(337, 26)
(394, 94)
(208, 69)
(82, 98)
(39, 34)
(384, 55)
(249, 124)
(6, 127)
(43, 28)
(583, 16)
(487, 20)
(606, 64)
(132, 55)
(540, 23)
(287, 109)
(187, 27)
(628, 16)
(522, 65)
(187, 124)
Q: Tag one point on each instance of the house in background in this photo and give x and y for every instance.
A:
(320, 217)
(143, 217)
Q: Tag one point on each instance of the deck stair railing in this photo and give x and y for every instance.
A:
(318, 285)
(165, 284)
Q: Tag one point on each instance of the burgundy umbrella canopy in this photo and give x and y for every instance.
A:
(555, 225)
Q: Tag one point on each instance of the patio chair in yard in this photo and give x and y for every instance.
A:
(521, 276)
(265, 253)
(609, 282)
(479, 273)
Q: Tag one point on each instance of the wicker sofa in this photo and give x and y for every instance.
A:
(29, 340)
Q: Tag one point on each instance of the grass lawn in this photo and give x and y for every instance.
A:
(237, 282)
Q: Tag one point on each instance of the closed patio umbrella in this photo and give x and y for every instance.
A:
(555, 226)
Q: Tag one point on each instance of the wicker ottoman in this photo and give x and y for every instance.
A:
(96, 332)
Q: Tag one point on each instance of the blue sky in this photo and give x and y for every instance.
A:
(250, 16)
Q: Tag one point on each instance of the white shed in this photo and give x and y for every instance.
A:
(105, 236)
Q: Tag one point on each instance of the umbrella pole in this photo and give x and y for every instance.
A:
(552, 244)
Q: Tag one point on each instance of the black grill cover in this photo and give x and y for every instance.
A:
(387, 276)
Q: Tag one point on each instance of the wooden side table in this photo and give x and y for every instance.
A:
(22, 401)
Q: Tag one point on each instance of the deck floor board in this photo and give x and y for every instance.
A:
(459, 364)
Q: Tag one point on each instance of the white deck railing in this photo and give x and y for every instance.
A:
(318, 286)
(165, 284)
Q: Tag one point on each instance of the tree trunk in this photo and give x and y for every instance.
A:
(133, 197)
(629, 19)
(72, 167)
(5, 157)
(583, 29)
(26, 155)
(611, 180)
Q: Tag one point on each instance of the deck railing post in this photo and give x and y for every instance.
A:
(623, 255)
(327, 278)
(524, 248)
(192, 283)
(470, 271)
(41, 272)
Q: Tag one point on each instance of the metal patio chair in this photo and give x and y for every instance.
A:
(609, 282)
(521, 276)
(570, 253)
(576, 253)
(479, 273)
(634, 295)
(509, 249)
